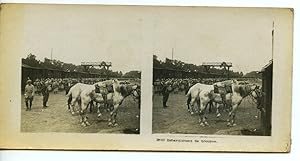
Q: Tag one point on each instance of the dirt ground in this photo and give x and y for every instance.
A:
(57, 118)
(176, 118)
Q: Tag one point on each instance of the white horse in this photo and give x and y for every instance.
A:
(83, 94)
(121, 91)
(204, 94)
(76, 90)
(239, 93)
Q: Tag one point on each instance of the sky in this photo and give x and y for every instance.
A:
(124, 35)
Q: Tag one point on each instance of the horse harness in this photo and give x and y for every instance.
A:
(108, 88)
(224, 89)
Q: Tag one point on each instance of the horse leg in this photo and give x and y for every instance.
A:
(91, 104)
(203, 110)
(105, 102)
(217, 110)
(210, 104)
(69, 103)
(188, 101)
(99, 109)
(231, 121)
(72, 106)
(198, 105)
(192, 103)
(113, 115)
(201, 118)
(84, 118)
(98, 105)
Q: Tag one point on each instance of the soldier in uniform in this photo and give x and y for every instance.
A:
(166, 90)
(29, 94)
(45, 93)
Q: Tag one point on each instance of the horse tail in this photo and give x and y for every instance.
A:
(188, 94)
(69, 93)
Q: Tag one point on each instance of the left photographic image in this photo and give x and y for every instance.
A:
(80, 74)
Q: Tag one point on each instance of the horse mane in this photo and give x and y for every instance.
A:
(125, 90)
(243, 90)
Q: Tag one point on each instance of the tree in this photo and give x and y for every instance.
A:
(156, 62)
(132, 74)
(253, 74)
(31, 61)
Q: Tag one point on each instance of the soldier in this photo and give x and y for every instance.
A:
(45, 93)
(166, 90)
(29, 94)
(55, 87)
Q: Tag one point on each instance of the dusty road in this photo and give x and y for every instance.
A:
(56, 117)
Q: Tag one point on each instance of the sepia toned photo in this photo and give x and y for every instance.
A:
(212, 81)
(145, 78)
(76, 78)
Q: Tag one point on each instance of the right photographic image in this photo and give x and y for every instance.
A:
(212, 74)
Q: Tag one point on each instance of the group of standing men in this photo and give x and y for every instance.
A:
(30, 92)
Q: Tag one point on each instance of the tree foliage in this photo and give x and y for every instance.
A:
(69, 67)
(253, 74)
(179, 65)
(132, 74)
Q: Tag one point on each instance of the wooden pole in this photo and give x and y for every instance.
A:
(172, 53)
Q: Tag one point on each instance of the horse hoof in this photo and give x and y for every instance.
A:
(234, 124)
(115, 124)
(83, 124)
(227, 120)
(192, 113)
(205, 123)
(228, 124)
(202, 124)
(87, 123)
(73, 113)
(110, 123)
(99, 115)
(218, 115)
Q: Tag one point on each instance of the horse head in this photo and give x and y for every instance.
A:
(128, 89)
(136, 93)
(256, 95)
(244, 90)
